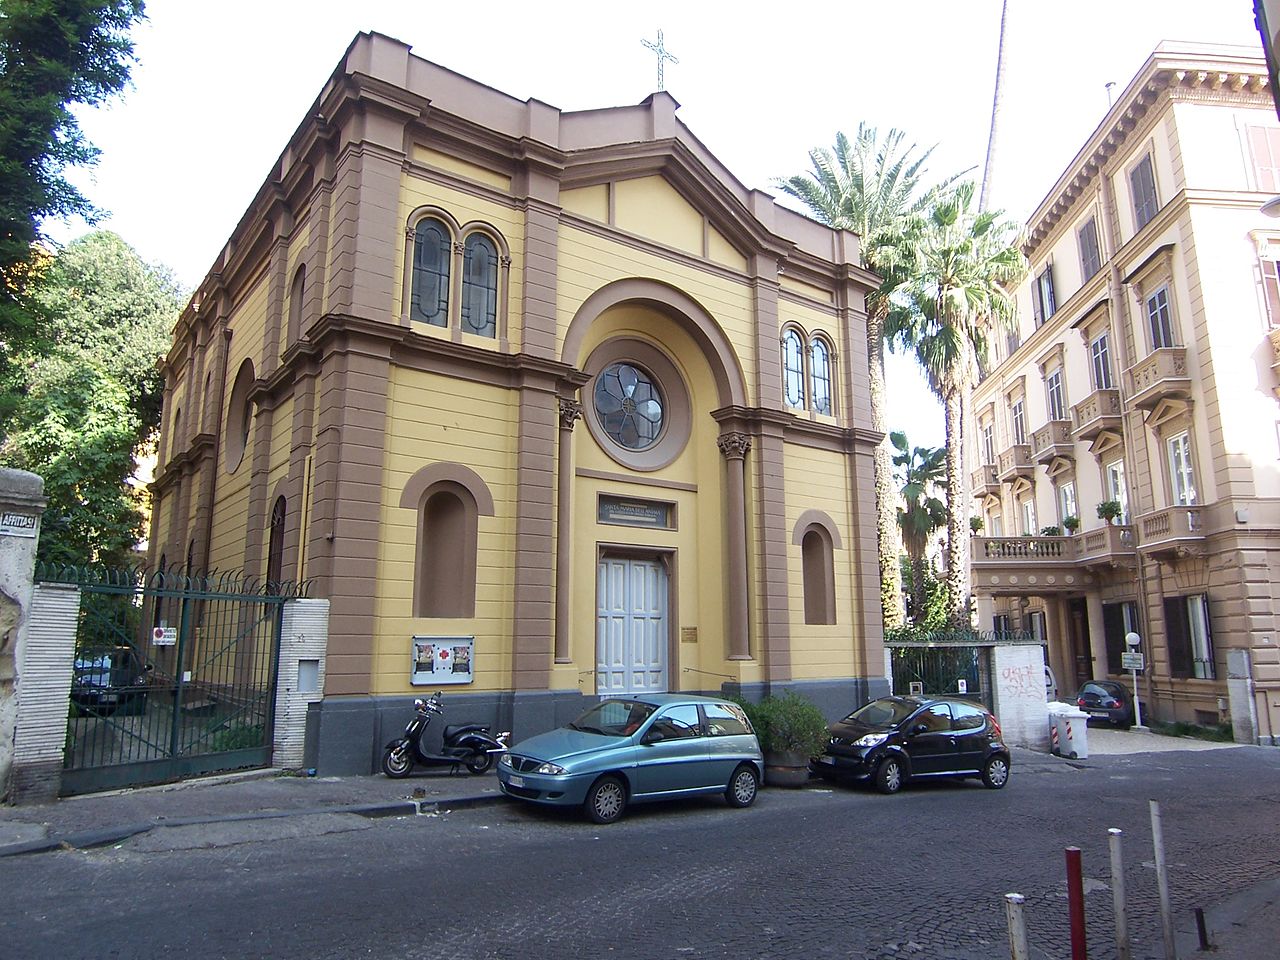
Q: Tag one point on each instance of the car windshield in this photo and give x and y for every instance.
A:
(882, 714)
(614, 718)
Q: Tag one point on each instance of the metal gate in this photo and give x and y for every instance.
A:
(174, 675)
(939, 670)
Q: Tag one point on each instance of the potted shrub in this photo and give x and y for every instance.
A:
(1071, 524)
(1108, 510)
(1051, 531)
(975, 525)
(791, 730)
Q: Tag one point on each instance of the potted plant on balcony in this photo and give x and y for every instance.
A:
(975, 525)
(1071, 524)
(1054, 531)
(1108, 510)
(791, 729)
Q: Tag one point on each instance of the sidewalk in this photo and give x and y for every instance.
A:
(103, 818)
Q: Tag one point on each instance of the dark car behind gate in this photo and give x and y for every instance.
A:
(174, 675)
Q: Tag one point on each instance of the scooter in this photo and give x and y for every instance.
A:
(468, 744)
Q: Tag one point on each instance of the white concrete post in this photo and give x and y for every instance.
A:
(1242, 697)
(1019, 697)
(304, 642)
(1097, 635)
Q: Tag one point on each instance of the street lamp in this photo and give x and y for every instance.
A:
(1133, 660)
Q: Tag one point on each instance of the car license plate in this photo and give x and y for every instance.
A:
(1098, 713)
(826, 759)
(514, 781)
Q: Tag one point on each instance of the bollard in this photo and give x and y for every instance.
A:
(1201, 931)
(1018, 949)
(1162, 881)
(1075, 900)
(1117, 895)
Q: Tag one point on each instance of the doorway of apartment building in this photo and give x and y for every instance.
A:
(632, 625)
(1079, 650)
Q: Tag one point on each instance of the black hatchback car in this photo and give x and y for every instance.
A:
(894, 739)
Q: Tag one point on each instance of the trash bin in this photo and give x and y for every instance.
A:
(1072, 726)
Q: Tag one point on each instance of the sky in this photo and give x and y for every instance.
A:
(220, 86)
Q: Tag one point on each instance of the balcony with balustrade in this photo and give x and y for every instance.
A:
(1096, 413)
(1172, 532)
(1161, 375)
(1053, 441)
(1016, 462)
(1106, 547)
(985, 482)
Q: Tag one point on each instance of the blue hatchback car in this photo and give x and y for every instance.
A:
(646, 747)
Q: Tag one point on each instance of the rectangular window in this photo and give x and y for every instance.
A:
(1000, 624)
(1182, 482)
(1188, 635)
(988, 443)
(1264, 145)
(1067, 501)
(995, 523)
(1271, 287)
(1019, 422)
(1159, 319)
(1012, 340)
(1057, 403)
(1116, 489)
(1100, 353)
(1117, 620)
(1090, 257)
(1043, 303)
(1142, 184)
(1029, 528)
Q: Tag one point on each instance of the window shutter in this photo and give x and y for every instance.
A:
(1177, 631)
(1050, 303)
(1113, 630)
(1036, 310)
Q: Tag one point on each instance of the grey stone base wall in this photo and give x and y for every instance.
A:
(346, 735)
(35, 782)
(836, 697)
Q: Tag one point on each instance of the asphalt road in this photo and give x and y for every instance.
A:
(815, 873)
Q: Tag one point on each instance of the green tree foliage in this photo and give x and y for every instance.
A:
(54, 54)
(920, 470)
(86, 395)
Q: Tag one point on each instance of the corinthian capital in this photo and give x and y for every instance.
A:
(734, 446)
(570, 410)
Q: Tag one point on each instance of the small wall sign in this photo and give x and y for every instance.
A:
(962, 686)
(442, 660)
(688, 634)
(917, 688)
(14, 524)
(629, 512)
(164, 637)
(1131, 661)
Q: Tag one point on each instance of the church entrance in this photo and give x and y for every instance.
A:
(631, 626)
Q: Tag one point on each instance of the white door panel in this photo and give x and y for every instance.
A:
(631, 627)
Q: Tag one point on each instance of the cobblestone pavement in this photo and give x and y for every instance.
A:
(823, 873)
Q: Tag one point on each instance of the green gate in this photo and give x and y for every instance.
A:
(174, 675)
(939, 669)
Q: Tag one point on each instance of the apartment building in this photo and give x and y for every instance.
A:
(1144, 372)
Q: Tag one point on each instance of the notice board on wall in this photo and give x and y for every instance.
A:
(441, 660)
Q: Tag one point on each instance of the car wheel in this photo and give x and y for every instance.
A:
(743, 787)
(480, 761)
(995, 772)
(396, 762)
(889, 775)
(606, 800)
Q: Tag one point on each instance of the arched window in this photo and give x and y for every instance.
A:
(793, 369)
(295, 302)
(275, 546)
(432, 250)
(239, 416)
(446, 575)
(819, 576)
(820, 375)
(480, 286)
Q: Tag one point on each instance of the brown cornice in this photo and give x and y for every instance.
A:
(1195, 73)
(1155, 254)
(794, 429)
(185, 463)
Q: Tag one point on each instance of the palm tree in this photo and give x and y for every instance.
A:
(921, 514)
(964, 267)
(873, 188)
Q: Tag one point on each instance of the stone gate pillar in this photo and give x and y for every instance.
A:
(22, 503)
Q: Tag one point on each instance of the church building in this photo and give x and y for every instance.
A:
(547, 405)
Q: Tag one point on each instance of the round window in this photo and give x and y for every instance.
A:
(629, 406)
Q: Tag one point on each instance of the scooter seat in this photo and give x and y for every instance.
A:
(452, 731)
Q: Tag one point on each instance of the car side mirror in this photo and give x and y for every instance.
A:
(919, 728)
(651, 737)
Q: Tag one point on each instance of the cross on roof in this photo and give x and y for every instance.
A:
(663, 56)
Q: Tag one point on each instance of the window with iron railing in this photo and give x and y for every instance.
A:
(1100, 356)
(1160, 319)
(1018, 422)
(1057, 402)
(988, 443)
